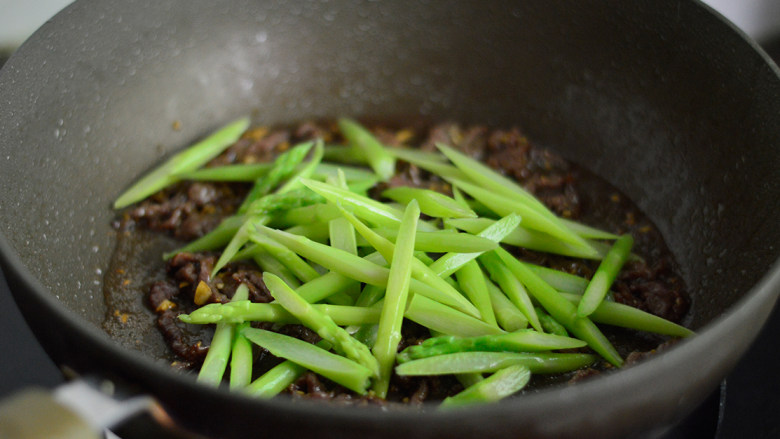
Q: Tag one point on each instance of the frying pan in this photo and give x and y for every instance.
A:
(664, 99)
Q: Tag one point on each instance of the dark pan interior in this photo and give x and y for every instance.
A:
(684, 122)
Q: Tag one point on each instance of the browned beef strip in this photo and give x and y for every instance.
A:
(188, 347)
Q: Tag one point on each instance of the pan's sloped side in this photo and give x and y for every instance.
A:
(625, 88)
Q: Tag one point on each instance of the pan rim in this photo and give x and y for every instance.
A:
(767, 286)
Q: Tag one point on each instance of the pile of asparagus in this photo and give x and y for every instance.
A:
(352, 269)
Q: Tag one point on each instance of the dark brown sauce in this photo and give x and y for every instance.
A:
(135, 264)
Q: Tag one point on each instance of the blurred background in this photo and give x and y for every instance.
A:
(20, 18)
(746, 405)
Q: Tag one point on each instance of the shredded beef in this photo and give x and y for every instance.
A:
(639, 356)
(655, 289)
(190, 349)
(253, 279)
(300, 332)
(160, 292)
(471, 140)
(186, 211)
(584, 374)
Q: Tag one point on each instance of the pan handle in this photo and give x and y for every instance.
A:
(74, 410)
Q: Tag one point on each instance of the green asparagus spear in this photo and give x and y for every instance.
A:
(217, 357)
(444, 319)
(469, 379)
(420, 154)
(375, 212)
(342, 235)
(521, 341)
(243, 172)
(346, 372)
(501, 384)
(324, 286)
(389, 332)
(491, 180)
(342, 154)
(190, 159)
(360, 269)
(221, 343)
(318, 231)
(420, 270)
(586, 231)
(237, 242)
(282, 167)
(618, 314)
(283, 201)
(530, 239)
(320, 323)
(509, 318)
(532, 219)
(329, 257)
(378, 158)
(443, 241)
(472, 282)
(276, 380)
(278, 377)
(605, 275)
(372, 210)
(433, 165)
(561, 309)
(471, 362)
(351, 173)
(451, 262)
(306, 215)
(290, 259)
(550, 325)
(369, 296)
(511, 286)
(560, 280)
(432, 203)
(306, 171)
(244, 311)
(241, 359)
(249, 172)
(266, 262)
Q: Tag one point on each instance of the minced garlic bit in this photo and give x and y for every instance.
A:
(165, 305)
(202, 293)
(256, 133)
(404, 135)
(121, 315)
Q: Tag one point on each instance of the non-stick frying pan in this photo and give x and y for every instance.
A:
(662, 98)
